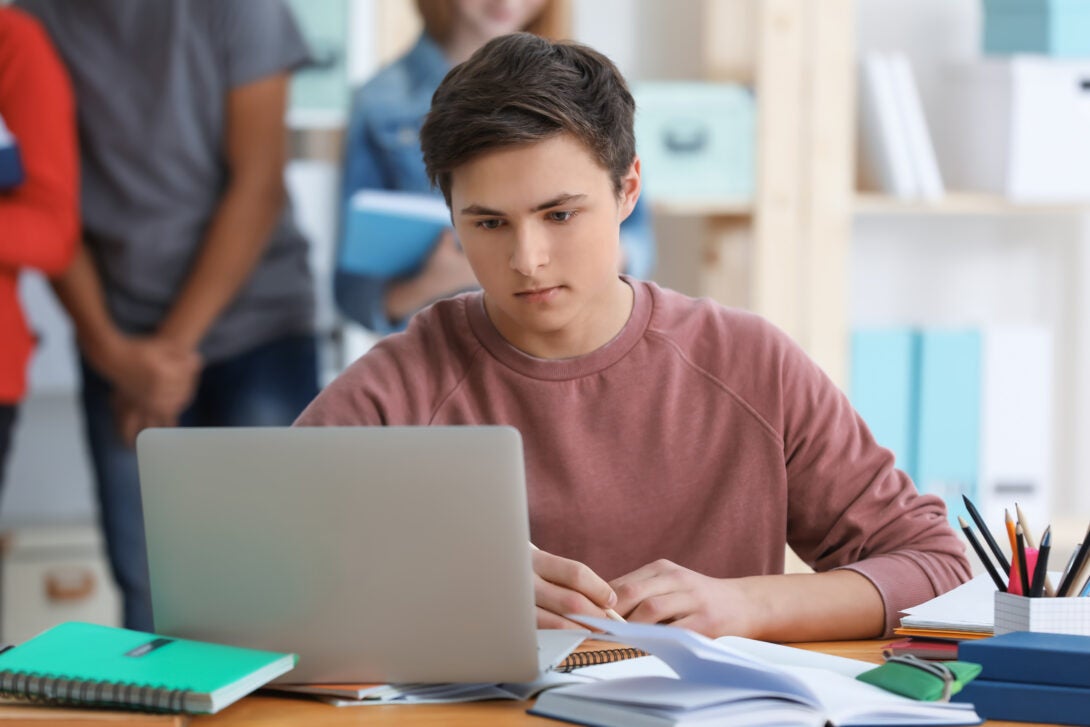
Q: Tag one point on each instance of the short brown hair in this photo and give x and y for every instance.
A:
(520, 89)
(553, 22)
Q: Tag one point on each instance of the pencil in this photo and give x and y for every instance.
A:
(1013, 570)
(987, 534)
(1031, 542)
(1041, 567)
(982, 554)
(1079, 579)
(609, 611)
(1023, 567)
(1070, 562)
(1076, 566)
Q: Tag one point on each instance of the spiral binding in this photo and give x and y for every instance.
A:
(594, 657)
(57, 689)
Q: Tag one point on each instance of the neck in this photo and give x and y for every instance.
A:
(593, 328)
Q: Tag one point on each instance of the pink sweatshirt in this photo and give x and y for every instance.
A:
(699, 434)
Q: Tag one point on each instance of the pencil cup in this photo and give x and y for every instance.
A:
(1052, 615)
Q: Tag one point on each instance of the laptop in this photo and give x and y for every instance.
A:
(378, 554)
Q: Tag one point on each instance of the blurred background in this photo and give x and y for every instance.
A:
(902, 185)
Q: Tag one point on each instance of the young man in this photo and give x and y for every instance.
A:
(673, 446)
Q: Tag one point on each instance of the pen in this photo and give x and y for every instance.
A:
(1023, 567)
(1076, 566)
(987, 534)
(609, 611)
(1031, 542)
(1041, 567)
(982, 554)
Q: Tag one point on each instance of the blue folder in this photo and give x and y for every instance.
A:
(948, 455)
(390, 234)
(884, 389)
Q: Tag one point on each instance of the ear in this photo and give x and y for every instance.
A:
(630, 189)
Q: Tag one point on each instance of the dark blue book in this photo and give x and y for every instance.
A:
(1033, 658)
(1019, 702)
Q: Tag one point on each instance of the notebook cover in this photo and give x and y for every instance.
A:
(1033, 657)
(1020, 702)
(89, 652)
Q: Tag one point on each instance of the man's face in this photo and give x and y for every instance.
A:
(540, 227)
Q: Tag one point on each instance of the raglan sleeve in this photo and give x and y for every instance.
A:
(849, 506)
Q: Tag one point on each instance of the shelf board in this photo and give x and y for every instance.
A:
(960, 203)
(700, 208)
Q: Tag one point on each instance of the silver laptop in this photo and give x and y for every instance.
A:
(378, 554)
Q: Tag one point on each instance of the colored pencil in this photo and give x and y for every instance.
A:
(1076, 566)
(1012, 571)
(1031, 542)
(1037, 588)
(1023, 567)
(986, 533)
(982, 554)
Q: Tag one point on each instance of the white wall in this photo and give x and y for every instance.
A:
(976, 270)
(905, 269)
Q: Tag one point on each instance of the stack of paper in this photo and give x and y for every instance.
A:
(963, 613)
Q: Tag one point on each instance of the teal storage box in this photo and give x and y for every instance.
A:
(695, 141)
(1051, 27)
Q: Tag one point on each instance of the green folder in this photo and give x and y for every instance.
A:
(87, 664)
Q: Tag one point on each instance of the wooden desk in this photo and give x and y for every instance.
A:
(282, 712)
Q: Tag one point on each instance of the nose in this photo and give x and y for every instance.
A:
(531, 250)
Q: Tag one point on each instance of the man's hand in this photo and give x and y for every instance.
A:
(154, 376)
(664, 592)
(131, 420)
(838, 604)
(563, 586)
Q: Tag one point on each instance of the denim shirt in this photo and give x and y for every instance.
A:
(382, 151)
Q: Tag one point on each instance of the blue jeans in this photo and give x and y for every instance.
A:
(267, 386)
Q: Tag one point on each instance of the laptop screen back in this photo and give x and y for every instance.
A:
(377, 554)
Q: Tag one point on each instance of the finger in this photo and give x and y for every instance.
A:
(664, 608)
(563, 601)
(575, 576)
(643, 573)
(549, 620)
(645, 583)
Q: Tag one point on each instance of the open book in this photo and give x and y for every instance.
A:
(736, 682)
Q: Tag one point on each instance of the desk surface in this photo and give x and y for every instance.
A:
(279, 711)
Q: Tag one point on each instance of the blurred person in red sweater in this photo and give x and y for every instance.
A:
(39, 192)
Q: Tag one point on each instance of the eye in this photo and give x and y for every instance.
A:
(488, 224)
(561, 215)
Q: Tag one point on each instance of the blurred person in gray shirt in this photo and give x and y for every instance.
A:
(191, 296)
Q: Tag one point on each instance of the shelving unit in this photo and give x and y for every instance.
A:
(960, 203)
(793, 245)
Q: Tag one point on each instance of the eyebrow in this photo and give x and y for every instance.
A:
(476, 209)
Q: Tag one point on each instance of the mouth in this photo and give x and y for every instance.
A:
(539, 294)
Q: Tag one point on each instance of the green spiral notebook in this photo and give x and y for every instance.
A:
(86, 664)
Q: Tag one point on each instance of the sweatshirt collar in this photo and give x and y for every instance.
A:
(566, 368)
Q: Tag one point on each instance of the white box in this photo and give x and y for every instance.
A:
(1016, 413)
(53, 574)
(1017, 126)
(1052, 615)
